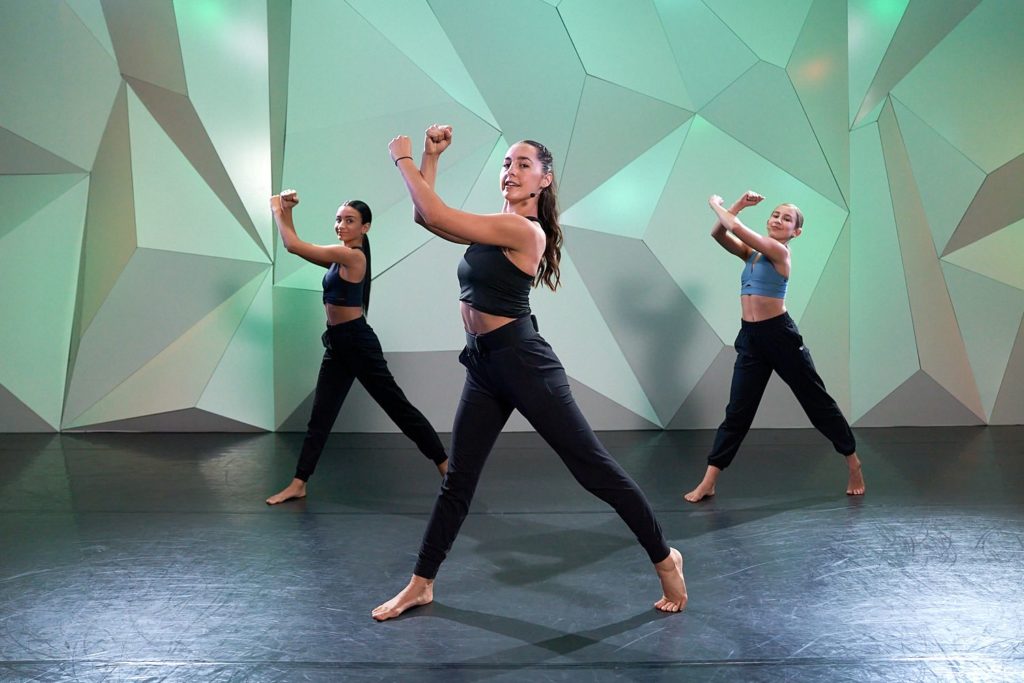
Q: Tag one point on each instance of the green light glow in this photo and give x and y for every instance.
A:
(888, 10)
(208, 13)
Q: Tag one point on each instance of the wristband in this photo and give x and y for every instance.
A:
(399, 159)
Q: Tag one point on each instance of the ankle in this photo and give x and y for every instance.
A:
(420, 582)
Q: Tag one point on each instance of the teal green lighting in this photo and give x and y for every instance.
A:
(208, 13)
(888, 10)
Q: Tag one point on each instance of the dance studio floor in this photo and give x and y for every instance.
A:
(154, 557)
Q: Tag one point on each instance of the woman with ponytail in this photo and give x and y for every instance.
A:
(352, 350)
(509, 366)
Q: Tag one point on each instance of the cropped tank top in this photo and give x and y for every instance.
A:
(491, 283)
(761, 278)
(340, 292)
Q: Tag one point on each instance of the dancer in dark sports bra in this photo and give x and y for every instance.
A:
(351, 349)
(509, 366)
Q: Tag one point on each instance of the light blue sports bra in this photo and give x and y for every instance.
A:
(761, 278)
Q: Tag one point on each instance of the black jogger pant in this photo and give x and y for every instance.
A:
(352, 351)
(514, 368)
(761, 347)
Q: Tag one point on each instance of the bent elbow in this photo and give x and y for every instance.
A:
(428, 217)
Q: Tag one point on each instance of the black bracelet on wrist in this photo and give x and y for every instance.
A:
(399, 159)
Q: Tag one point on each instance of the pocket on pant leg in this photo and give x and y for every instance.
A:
(805, 353)
(536, 357)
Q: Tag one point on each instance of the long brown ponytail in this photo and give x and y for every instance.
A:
(547, 212)
(367, 217)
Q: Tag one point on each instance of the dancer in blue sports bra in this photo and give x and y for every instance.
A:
(351, 348)
(769, 340)
(509, 366)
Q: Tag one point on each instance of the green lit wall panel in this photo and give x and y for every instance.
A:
(38, 273)
(870, 28)
(57, 82)
(623, 205)
(989, 313)
(652, 71)
(226, 65)
(972, 76)
(242, 385)
(883, 348)
(143, 286)
(770, 29)
(694, 31)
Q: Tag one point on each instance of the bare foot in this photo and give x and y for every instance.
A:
(420, 591)
(296, 489)
(673, 586)
(704, 490)
(442, 467)
(855, 486)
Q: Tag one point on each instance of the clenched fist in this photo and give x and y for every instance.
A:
(284, 201)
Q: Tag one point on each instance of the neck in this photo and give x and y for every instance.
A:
(523, 208)
(351, 244)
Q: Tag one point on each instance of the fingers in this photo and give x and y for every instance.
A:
(400, 146)
(288, 198)
(439, 130)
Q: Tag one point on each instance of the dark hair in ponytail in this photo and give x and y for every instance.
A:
(367, 217)
(547, 211)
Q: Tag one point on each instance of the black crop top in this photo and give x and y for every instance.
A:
(340, 292)
(491, 283)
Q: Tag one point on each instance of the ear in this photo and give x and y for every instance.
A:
(546, 180)
(796, 233)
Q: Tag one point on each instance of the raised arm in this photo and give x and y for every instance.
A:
(435, 140)
(743, 239)
(500, 229)
(281, 206)
(721, 233)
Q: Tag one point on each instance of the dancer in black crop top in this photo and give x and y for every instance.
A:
(509, 366)
(352, 350)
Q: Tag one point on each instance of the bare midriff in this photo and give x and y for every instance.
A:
(478, 322)
(757, 307)
(342, 314)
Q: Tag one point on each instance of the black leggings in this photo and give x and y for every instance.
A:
(514, 368)
(353, 352)
(761, 347)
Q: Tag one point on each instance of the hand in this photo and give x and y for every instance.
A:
(436, 139)
(400, 146)
(284, 201)
(714, 200)
(749, 198)
(289, 198)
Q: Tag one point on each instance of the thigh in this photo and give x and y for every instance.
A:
(542, 393)
(332, 385)
(792, 360)
(750, 374)
(479, 418)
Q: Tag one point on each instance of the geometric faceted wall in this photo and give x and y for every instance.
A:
(143, 287)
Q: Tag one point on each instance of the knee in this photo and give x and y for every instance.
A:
(458, 487)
